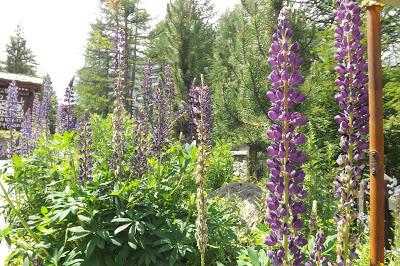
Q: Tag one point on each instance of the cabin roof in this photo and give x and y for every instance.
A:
(23, 81)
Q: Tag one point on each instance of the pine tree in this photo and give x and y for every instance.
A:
(185, 39)
(20, 59)
(95, 83)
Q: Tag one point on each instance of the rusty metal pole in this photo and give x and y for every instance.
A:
(377, 241)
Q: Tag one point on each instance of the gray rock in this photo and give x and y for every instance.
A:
(246, 197)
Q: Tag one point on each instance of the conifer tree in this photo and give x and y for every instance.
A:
(185, 40)
(95, 83)
(20, 59)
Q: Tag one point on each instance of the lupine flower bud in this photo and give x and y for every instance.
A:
(286, 191)
(26, 133)
(314, 216)
(201, 115)
(352, 121)
(85, 150)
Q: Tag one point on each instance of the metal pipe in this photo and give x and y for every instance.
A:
(377, 195)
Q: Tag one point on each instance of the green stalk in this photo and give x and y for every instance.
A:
(21, 219)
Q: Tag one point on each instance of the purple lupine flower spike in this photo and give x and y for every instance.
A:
(85, 150)
(160, 120)
(353, 121)
(169, 89)
(119, 59)
(37, 126)
(318, 248)
(119, 110)
(66, 117)
(12, 115)
(147, 93)
(26, 133)
(46, 106)
(286, 191)
(141, 146)
(200, 99)
(201, 116)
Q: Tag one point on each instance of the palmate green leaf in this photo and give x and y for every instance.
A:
(59, 215)
(263, 258)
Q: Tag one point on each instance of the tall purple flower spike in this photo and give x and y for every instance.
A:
(37, 121)
(286, 191)
(66, 117)
(160, 120)
(141, 146)
(26, 133)
(169, 89)
(85, 150)
(46, 106)
(200, 110)
(200, 104)
(318, 248)
(147, 93)
(12, 115)
(118, 120)
(353, 121)
(119, 60)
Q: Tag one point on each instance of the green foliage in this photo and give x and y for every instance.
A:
(219, 166)
(392, 120)
(148, 221)
(184, 39)
(239, 70)
(20, 59)
(253, 257)
(95, 84)
(320, 173)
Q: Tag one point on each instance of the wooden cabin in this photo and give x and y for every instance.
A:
(27, 85)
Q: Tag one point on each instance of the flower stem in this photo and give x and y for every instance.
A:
(21, 219)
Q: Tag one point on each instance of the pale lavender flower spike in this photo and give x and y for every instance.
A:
(12, 115)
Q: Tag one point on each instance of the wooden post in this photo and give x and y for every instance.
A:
(377, 196)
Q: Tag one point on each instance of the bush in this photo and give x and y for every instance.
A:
(220, 166)
(130, 221)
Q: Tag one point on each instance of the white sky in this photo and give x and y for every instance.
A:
(57, 30)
